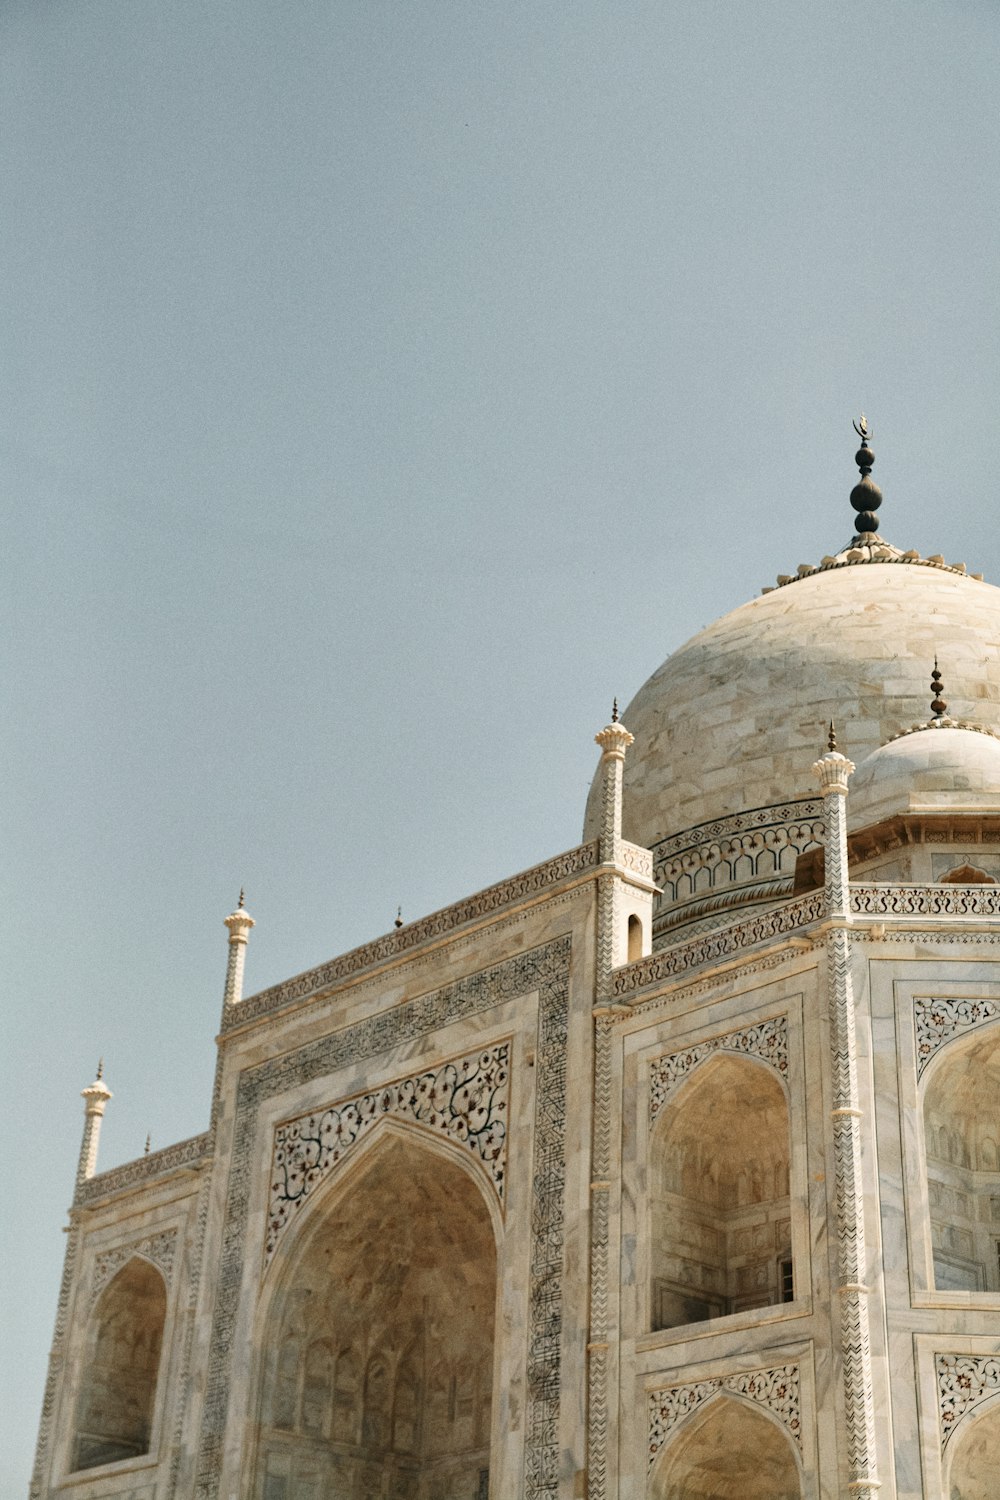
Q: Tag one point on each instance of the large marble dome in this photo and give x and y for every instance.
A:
(718, 782)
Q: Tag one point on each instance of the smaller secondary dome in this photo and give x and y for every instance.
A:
(943, 768)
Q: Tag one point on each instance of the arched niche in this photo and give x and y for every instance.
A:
(114, 1409)
(728, 1450)
(378, 1340)
(975, 1462)
(961, 1110)
(719, 1194)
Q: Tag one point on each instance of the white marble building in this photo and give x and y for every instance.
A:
(669, 1168)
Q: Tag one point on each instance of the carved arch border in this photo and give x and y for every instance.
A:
(158, 1249)
(543, 970)
(939, 1021)
(766, 1042)
(774, 1391)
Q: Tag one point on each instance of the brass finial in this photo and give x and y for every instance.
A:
(100, 1069)
(831, 739)
(239, 904)
(866, 497)
(938, 706)
(399, 917)
(614, 712)
(149, 1142)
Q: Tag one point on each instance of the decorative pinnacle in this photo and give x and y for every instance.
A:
(831, 739)
(938, 706)
(866, 497)
(399, 917)
(239, 904)
(149, 1142)
(100, 1060)
(614, 712)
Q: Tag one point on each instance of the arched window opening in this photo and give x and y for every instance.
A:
(395, 1286)
(634, 938)
(114, 1412)
(731, 1451)
(719, 1201)
(961, 1114)
(976, 1463)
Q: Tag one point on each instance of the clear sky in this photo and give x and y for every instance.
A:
(386, 386)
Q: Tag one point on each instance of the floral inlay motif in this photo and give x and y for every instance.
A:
(777, 1389)
(464, 1100)
(937, 1021)
(964, 1380)
(768, 1040)
(159, 1248)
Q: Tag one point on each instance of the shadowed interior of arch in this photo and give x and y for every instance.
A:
(719, 1195)
(962, 1145)
(378, 1350)
(114, 1411)
(730, 1451)
(976, 1460)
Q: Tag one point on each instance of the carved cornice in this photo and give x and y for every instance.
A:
(716, 947)
(400, 943)
(145, 1169)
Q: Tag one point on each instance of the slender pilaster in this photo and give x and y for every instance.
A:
(833, 771)
(614, 740)
(95, 1097)
(239, 923)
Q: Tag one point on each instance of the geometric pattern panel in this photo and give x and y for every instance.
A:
(776, 1389)
(159, 1248)
(937, 1021)
(964, 1380)
(768, 1041)
(464, 1101)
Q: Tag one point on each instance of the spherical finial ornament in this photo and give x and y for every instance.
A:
(938, 706)
(866, 497)
(399, 917)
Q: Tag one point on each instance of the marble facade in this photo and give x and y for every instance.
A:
(573, 1189)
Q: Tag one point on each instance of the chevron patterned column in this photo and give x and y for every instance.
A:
(614, 740)
(833, 772)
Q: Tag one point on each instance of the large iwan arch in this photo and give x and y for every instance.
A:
(727, 1450)
(378, 1342)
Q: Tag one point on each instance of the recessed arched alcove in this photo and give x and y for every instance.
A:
(962, 1147)
(378, 1342)
(975, 1460)
(720, 1220)
(729, 1450)
(114, 1410)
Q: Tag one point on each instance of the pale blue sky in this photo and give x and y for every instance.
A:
(386, 387)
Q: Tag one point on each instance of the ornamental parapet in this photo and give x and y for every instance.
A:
(189, 1154)
(396, 945)
(715, 947)
(925, 900)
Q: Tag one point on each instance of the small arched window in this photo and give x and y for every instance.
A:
(634, 938)
(114, 1411)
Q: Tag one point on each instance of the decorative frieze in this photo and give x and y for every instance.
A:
(716, 947)
(925, 900)
(402, 940)
(767, 1040)
(464, 1101)
(194, 1152)
(159, 1248)
(937, 1020)
(775, 1389)
(963, 1381)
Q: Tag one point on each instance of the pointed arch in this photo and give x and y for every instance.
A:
(720, 1216)
(395, 1261)
(975, 1454)
(729, 1449)
(117, 1395)
(961, 1108)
